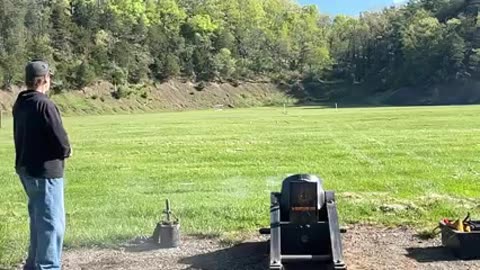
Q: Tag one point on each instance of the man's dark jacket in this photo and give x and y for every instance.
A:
(41, 142)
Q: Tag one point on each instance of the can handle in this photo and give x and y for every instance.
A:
(168, 212)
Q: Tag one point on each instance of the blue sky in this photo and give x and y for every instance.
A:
(348, 7)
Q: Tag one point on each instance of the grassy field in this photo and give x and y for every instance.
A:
(218, 167)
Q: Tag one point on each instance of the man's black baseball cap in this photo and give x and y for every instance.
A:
(36, 68)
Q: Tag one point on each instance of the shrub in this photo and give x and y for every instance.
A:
(122, 92)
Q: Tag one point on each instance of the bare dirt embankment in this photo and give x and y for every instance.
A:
(172, 95)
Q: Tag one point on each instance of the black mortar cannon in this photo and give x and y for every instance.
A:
(304, 227)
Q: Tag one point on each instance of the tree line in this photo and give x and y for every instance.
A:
(135, 41)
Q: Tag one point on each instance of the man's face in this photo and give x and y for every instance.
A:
(48, 82)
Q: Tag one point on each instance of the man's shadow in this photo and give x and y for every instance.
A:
(244, 256)
(249, 255)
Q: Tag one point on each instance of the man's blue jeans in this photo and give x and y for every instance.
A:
(47, 222)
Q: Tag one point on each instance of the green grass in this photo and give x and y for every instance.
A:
(218, 167)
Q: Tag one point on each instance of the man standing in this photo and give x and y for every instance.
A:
(42, 146)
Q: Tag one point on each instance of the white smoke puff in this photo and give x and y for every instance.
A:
(236, 187)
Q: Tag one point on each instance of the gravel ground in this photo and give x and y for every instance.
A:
(365, 247)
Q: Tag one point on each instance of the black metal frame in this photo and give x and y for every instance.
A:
(275, 233)
(335, 237)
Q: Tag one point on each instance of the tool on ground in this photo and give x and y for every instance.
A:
(465, 225)
(304, 225)
(167, 231)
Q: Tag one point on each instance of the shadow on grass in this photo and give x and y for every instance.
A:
(320, 106)
(340, 105)
(431, 254)
(249, 255)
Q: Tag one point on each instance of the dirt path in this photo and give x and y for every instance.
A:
(365, 248)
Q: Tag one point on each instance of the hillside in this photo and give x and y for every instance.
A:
(101, 98)
(171, 95)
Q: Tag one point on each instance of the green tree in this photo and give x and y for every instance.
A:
(84, 74)
(13, 49)
(422, 47)
(224, 64)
